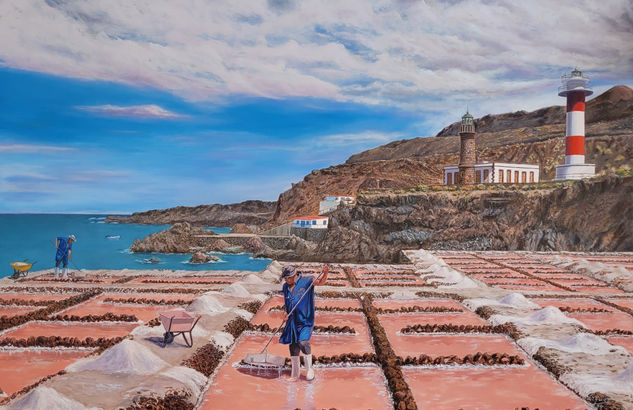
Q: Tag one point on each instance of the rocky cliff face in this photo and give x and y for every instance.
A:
(180, 238)
(246, 213)
(535, 137)
(380, 226)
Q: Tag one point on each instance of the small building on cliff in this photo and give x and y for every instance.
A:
(310, 228)
(330, 203)
(470, 172)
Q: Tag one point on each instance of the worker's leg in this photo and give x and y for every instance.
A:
(65, 270)
(304, 345)
(294, 360)
(57, 268)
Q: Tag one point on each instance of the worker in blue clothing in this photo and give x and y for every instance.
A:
(298, 329)
(64, 254)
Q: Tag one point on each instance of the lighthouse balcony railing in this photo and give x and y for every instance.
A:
(566, 77)
(571, 87)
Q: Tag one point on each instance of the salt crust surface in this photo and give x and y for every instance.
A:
(403, 294)
(578, 343)
(127, 357)
(244, 314)
(192, 379)
(251, 278)
(43, 397)
(547, 316)
(222, 339)
(515, 300)
(585, 384)
(236, 289)
(208, 305)
(463, 283)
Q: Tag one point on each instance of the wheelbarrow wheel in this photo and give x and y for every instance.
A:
(168, 337)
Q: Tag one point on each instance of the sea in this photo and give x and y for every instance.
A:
(100, 245)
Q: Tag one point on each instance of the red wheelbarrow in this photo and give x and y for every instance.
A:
(178, 322)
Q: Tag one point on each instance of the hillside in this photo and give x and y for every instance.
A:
(535, 137)
(247, 212)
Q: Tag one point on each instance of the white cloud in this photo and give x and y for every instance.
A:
(419, 55)
(139, 111)
(32, 148)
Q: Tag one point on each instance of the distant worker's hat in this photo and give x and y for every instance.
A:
(72, 237)
(288, 272)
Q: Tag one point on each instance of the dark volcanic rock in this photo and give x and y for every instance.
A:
(201, 257)
(180, 238)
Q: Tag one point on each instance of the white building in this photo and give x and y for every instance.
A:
(312, 222)
(497, 173)
(330, 203)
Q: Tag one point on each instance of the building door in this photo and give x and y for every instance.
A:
(477, 176)
(509, 175)
(523, 177)
(486, 175)
(532, 176)
(501, 176)
(449, 178)
(516, 177)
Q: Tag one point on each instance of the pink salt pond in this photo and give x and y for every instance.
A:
(484, 388)
(605, 321)
(447, 345)
(624, 341)
(23, 368)
(95, 307)
(342, 388)
(153, 296)
(39, 297)
(574, 303)
(11, 311)
(322, 345)
(394, 323)
(627, 303)
(396, 304)
(78, 330)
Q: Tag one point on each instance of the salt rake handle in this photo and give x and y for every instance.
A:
(291, 310)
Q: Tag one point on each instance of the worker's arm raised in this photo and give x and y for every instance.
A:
(323, 278)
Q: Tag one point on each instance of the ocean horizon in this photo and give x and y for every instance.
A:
(31, 237)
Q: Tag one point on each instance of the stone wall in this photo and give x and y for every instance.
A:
(309, 234)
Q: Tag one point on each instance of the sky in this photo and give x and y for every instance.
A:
(116, 106)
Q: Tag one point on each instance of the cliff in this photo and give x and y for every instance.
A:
(247, 213)
(591, 215)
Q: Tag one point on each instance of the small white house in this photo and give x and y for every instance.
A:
(330, 203)
(497, 173)
(312, 222)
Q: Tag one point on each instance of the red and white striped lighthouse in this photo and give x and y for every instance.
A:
(575, 88)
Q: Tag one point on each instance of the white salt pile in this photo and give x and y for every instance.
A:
(192, 379)
(46, 398)
(585, 384)
(127, 357)
(515, 300)
(207, 305)
(463, 283)
(260, 297)
(251, 278)
(578, 343)
(548, 316)
(244, 314)
(222, 339)
(236, 289)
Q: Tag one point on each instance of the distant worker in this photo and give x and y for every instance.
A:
(64, 254)
(298, 329)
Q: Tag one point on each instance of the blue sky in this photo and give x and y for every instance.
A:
(120, 106)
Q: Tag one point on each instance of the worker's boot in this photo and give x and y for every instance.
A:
(309, 370)
(56, 272)
(294, 374)
(65, 273)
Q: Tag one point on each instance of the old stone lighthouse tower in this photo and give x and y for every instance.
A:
(467, 153)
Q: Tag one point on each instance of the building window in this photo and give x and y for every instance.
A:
(501, 176)
(509, 175)
(449, 178)
(523, 177)
(486, 175)
(516, 177)
(532, 176)
(324, 222)
(313, 222)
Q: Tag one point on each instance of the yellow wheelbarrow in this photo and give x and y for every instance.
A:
(20, 268)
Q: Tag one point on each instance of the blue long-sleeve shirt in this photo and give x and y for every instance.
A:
(300, 323)
(63, 248)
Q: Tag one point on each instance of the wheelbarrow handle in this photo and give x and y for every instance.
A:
(291, 310)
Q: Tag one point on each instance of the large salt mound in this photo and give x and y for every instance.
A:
(222, 339)
(251, 278)
(578, 343)
(127, 357)
(585, 384)
(244, 314)
(515, 300)
(46, 398)
(548, 316)
(208, 305)
(194, 380)
(463, 283)
(236, 289)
